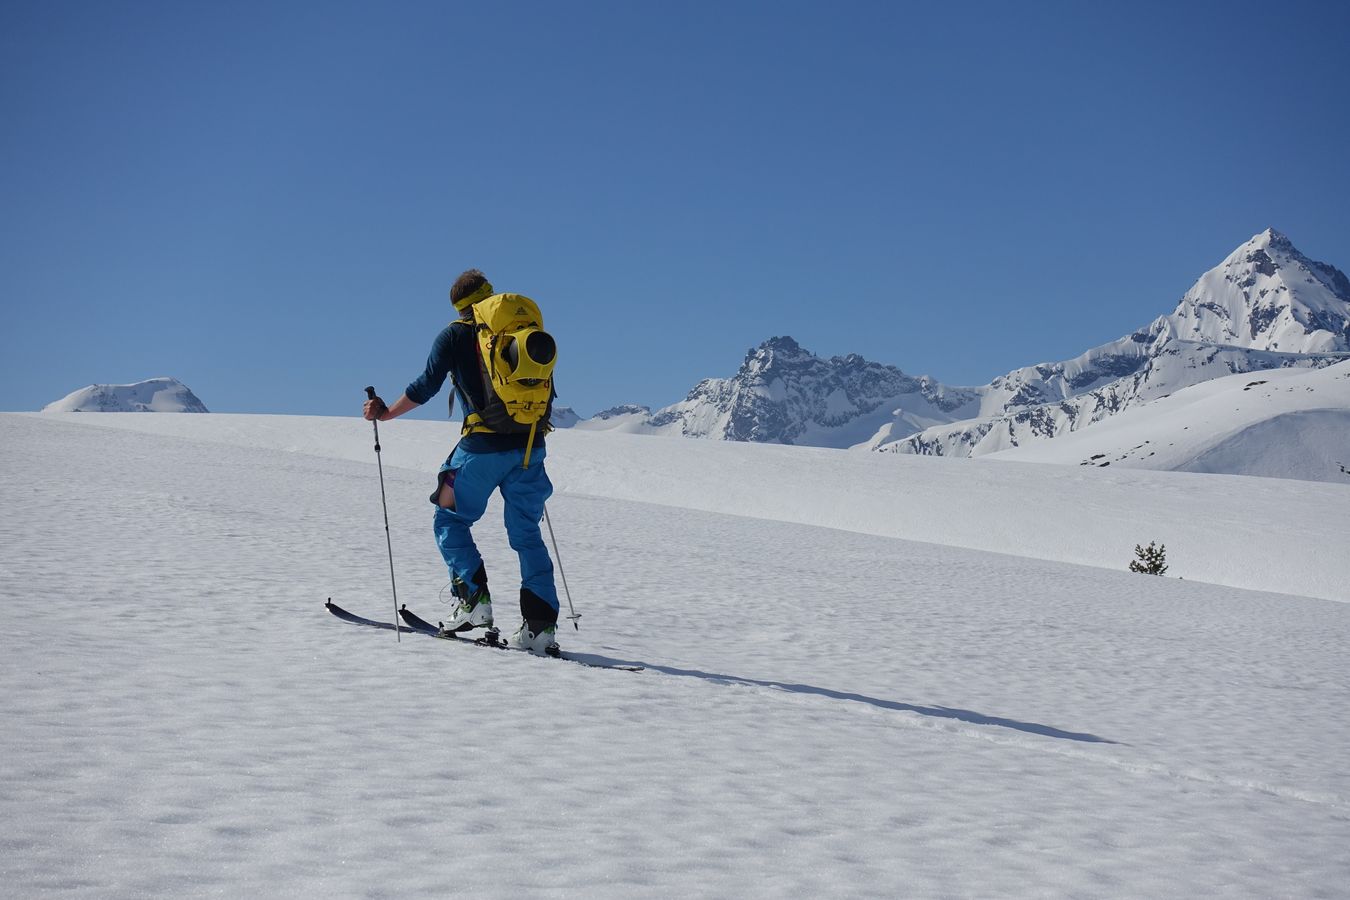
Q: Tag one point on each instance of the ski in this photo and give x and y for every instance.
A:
(362, 620)
(418, 624)
(414, 624)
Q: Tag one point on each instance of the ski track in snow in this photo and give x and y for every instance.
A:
(826, 712)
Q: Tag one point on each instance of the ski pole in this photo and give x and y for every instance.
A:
(558, 556)
(398, 632)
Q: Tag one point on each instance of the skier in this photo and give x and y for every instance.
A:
(482, 462)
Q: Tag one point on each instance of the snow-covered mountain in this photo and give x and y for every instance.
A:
(784, 394)
(1284, 423)
(1267, 306)
(1267, 296)
(152, 395)
(625, 417)
(564, 417)
(1171, 365)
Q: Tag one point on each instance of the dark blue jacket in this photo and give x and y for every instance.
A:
(455, 353)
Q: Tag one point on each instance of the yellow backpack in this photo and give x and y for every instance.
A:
(515, 357)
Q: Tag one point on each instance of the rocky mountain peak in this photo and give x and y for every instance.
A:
(784, 393)
(1271, 238)
(1268, 296)
(775, 353)
(783, 343)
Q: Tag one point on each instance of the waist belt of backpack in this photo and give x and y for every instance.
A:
(473, 424)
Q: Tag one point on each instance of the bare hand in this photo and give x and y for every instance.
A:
(374, 409)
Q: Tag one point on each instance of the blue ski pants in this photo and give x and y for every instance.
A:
(474, 476)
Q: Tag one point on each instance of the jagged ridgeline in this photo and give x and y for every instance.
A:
(1266, 306)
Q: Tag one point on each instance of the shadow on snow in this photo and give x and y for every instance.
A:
(939, 712)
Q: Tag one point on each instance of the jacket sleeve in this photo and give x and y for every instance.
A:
(428, 384)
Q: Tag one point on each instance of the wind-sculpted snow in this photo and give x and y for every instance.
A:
(825, 713)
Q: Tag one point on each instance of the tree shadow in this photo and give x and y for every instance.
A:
(938, 712)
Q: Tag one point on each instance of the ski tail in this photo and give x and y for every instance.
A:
(362, 620)
(417, 623)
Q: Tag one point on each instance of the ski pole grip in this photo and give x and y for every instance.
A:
(370, 392)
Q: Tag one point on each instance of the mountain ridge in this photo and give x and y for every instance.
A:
(1265, 306)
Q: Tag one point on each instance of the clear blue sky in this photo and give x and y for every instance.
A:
(269, 201)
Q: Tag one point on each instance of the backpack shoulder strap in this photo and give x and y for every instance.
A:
(456, 388)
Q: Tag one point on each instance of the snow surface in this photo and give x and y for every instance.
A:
(1284, 423)
(826, 711)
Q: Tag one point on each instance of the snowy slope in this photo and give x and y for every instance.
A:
(1172, 366)
(152, 395)
(184, 719)
(1266, 306)
(1287, 423)
(1219, 529)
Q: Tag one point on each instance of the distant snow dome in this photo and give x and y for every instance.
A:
(152, 395)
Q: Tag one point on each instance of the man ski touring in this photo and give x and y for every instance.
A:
(495, 452)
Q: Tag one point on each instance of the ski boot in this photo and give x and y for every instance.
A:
(471, 612)
(537, 637)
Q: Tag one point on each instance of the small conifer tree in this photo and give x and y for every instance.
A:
(1152, 560)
